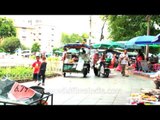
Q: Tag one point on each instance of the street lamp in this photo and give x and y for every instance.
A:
(90, 33)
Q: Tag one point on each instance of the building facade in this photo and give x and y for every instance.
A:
(31, 31)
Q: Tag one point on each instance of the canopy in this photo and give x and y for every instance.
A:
(76, 45)
(72, 50)
(105, 44)
(143, 39)
(156, 40)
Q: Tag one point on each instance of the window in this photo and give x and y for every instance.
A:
(23, 36)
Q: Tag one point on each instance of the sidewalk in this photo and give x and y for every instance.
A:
(76, 90)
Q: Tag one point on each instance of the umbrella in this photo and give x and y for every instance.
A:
(131, 44)
(143, 39)
(10, 89)
(105, 44)
(76, 45)
(121, 44)
(156, 40)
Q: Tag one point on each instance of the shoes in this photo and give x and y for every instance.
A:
(126, 75)
(42, 84)
(39, 84)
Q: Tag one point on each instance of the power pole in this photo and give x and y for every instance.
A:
(148, 17)
(90, 33)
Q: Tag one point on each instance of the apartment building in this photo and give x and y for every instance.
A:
(30, 31)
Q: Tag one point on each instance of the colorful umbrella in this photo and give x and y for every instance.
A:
(143, 39)
(105, 44)
(156, 40)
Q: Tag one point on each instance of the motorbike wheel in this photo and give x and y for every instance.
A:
(64, 74)
(98, 73)
(107, 74)
(85, 71)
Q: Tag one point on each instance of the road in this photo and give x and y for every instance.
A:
(76, 90)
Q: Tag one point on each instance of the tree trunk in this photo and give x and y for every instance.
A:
(102, 36)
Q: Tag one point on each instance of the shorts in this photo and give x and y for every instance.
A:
(35, 76)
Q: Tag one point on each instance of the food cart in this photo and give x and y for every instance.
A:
(74, 62)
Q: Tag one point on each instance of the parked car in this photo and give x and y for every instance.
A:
(26, 53)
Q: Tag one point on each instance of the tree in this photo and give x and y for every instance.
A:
(73, 38)
(35, 47)
(10, 44)
(125, 27)
(7, 28)
(23, 47)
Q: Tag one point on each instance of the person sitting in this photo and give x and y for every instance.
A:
(102, 60)
(157, 79)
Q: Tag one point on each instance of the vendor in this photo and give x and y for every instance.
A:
(64, 55)
(157, 79)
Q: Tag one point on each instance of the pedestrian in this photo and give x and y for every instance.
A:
(139, 58)
(64, 55)
(36, 67)
(42, 71)
(124, 62)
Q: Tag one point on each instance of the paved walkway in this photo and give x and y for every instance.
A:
(76, 90)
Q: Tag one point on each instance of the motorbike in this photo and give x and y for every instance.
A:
(101, 70)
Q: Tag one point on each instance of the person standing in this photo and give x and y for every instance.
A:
(64, 55)
(36, 67)
(124, 62)
(42, 71)
(139, 58)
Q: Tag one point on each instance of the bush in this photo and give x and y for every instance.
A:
(21, 73)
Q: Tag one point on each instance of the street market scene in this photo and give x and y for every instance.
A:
(113, 60)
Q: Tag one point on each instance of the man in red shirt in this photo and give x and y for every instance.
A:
(36, 67)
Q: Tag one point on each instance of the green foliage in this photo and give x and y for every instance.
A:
(85, 36)
(23, 47)
(73, 38)
(1, 48)
(154, 50)
(7, 28)
(125, 27)
(16, 73)
(35, 47)
(10, 44)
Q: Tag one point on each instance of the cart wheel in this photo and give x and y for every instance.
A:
(64, 74)
(85, 72)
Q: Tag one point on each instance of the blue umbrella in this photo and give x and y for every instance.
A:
(144, 39)
(131, 44)
(156, 40)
